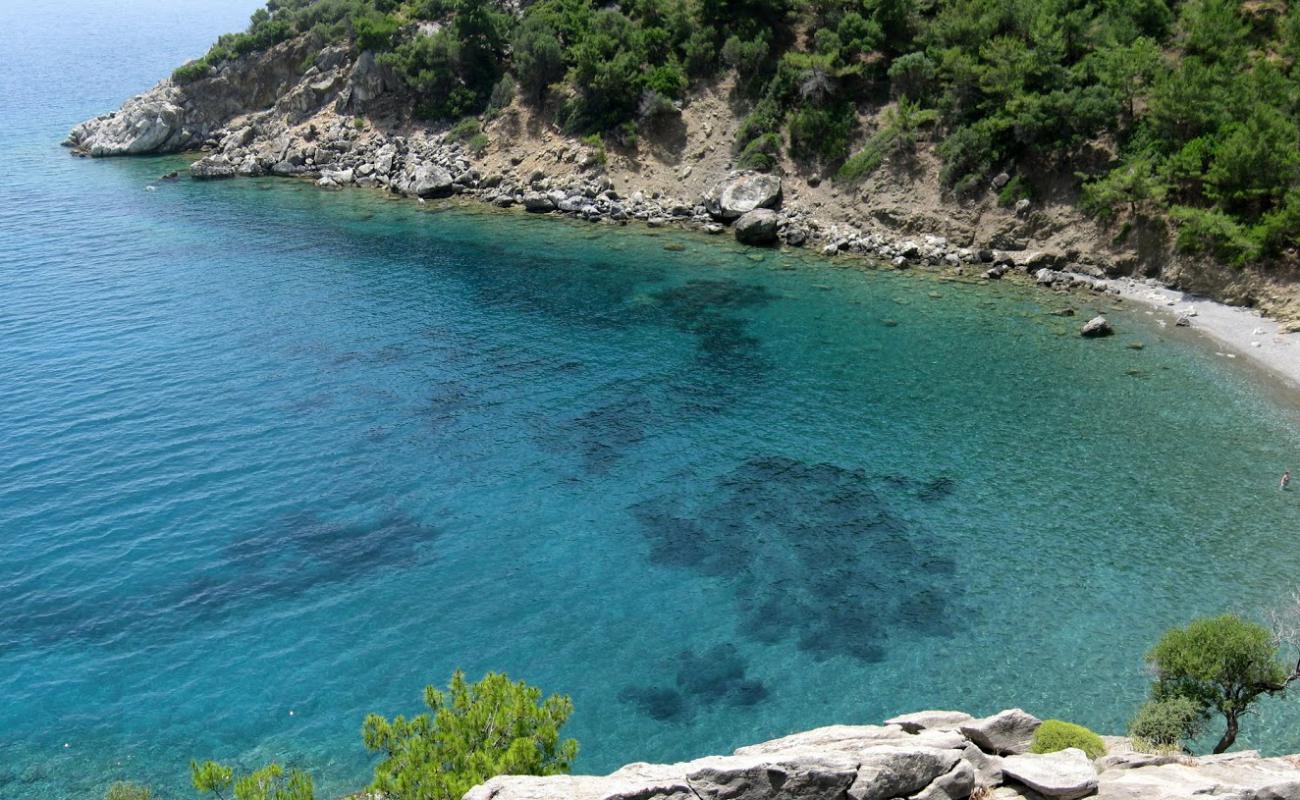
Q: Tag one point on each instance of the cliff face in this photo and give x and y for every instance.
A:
(170, 118)
(342, 118)
(931, 755)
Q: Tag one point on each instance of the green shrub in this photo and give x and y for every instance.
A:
(1164, 725)
(1055, 735)
(503, 94)
(271, 782)
(374, 31)
(822, 133)
(471, 733)
(465, 130)
(761, 154)
(597, 146)
(478, 144)
(125, 790)
(1016, 189)
(1213, 232)
(192, 71)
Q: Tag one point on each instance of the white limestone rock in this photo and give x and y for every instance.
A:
(1065, 775)
(1005, 733)
(924, 720)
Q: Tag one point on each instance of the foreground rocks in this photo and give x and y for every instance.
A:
(922, 756)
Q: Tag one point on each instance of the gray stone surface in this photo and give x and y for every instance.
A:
(731, 199)
(1096, 327)
(889, 771)
(954, 785)
(921, 720)
(1066, 775)
(212, 168)
(1005, 733)
(757, 227)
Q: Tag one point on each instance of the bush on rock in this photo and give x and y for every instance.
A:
(1164, 725)
(1055, 735)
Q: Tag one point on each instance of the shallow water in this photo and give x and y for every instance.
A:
(273, 458)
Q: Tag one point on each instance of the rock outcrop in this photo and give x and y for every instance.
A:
(1096, 328)
(343, 118)
(757, 227)
(922, 756)
(732, 198)
(1005, 733)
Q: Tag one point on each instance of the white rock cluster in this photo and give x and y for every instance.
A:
(930, 755)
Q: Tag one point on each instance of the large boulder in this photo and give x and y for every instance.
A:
(887, 772)
(955, 785)
(538, 203)
(1005, 733)
(366, 82)
(923, 720)
(1065, 775)
(429, 180)
(1095, 328)
(758, 778)
(732, 199)
(149, 123)
(212, 167)
(757, 227)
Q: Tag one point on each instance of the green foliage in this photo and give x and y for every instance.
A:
(1200, 98)
(913, 75)
(502, 95)
(471, 733)
(374, 31)
(1055, 735)
(192, 71)
(1130, 186)
(210, 777)
(762, 153)
(1254, 162)
(1210, 231)
(1164, 725)
(1017, 189)
(897, 135)
(1222, 664)
(538, 56)
(465, 130)
(125, 790)
(271, 782)
(821, 133)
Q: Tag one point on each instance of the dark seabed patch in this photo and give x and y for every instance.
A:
(297, 554)
(718, 675)
(816, 553)
(708, 310)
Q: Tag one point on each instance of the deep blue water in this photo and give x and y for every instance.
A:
(273, 458)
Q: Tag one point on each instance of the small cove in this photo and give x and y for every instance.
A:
(273, 458)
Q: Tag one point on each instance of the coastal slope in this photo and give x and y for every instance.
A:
(342, 114)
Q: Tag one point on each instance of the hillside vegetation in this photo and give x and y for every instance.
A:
(1184, 112)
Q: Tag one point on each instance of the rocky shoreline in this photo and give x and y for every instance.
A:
(340, 123)
(930, 755)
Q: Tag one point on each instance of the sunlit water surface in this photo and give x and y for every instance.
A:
(272, 458)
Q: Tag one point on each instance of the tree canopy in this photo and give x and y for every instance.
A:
(472, 732)
(1198, 100)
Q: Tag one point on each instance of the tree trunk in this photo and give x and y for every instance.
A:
(1229, 735)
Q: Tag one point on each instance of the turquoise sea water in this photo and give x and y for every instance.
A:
(272, 458)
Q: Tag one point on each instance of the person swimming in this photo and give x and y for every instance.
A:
(1286, 480)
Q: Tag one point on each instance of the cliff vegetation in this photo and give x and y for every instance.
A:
(1181, 115)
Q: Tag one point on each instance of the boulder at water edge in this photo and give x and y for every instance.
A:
(730, 200)
(757, 227)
